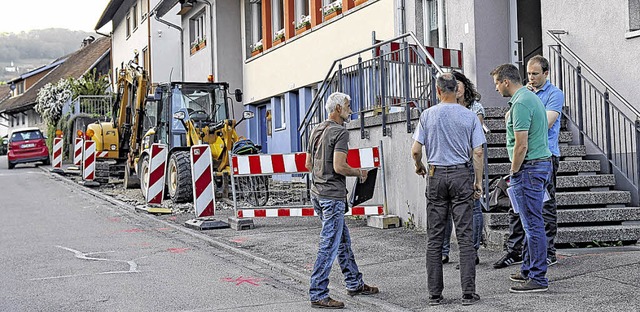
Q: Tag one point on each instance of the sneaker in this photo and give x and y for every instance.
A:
(327, 303)
(528, 287)
(552, 260)
(507, 260)
(469, 299)
(435, 300)
(517, 277)
(445, 259)
(365, 290)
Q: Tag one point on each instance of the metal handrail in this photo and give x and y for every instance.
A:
(553, 34)
(313, 107)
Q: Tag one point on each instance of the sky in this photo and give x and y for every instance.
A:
(25, 15)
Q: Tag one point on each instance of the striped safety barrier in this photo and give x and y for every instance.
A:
(450, 58)
(294, 163)
(89, 160)
(77, 152)
(102, 154)
(202, 174)
(58, 143)
(157, 165)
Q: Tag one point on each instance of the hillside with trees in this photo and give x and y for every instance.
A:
(32, 49)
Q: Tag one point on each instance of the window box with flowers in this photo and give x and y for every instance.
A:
(197, 45)
(279, 37)
(332, 10)
(256, 48)
(303, 25)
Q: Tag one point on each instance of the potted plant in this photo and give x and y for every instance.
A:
(279, 37)
(256, 48)
(332, 10)
(303, 24)
(202, 43)
(194, 46)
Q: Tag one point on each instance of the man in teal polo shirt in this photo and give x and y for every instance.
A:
(528, 148)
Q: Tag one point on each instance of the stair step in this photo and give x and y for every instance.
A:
(499, 125)
(500, 138)
(579, 234)
(565, 151)
(592, 198)
(585, 181)
(586, 215)
(566, 166)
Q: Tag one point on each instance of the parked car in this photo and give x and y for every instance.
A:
(27, 145)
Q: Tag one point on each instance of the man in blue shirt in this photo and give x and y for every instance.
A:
(452, 137)
(553, 100)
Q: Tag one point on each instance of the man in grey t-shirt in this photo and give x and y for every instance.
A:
(327, 161)
(452, 136)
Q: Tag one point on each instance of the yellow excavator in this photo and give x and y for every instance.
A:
(189, 113)
(118, 141)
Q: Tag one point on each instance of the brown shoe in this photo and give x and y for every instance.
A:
(365, 290)
(327, 303)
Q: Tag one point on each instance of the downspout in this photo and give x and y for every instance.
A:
(181, 40)
(214, 43)
(403, 17)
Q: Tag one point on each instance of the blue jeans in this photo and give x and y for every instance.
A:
(529, 185)
(334, 241)
(478, 224)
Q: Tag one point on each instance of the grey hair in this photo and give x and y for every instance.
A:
(447, 83)
(335, 99)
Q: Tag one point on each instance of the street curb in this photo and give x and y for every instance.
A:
(300, 277)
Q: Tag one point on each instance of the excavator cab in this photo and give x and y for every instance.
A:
(193, 113)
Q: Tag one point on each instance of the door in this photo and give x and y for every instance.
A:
(526, 32)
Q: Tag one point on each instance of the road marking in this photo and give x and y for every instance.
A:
(133, 266)
(177, 250)
(240, 280)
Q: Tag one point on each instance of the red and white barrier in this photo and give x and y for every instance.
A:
(89, 160)
(202, 175)
(248, 165)
(157, 168)
(295, 163)
(450, 58)
(58, 143)
(102, 154)
(77, 152)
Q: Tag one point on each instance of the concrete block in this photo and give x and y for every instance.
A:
(383, 222)
(241, 224)
(205, 224)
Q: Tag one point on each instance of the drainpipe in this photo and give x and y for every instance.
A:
(441, 24)
(403, 17)
(181, 40)
(214, 43)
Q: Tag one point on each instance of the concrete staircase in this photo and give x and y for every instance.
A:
(589, 208)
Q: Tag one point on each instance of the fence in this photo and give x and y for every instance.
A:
(94, 105)
(251, 173)
(598, 111)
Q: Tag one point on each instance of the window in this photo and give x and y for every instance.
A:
(634, 15)
(135, 16)
(128, 25)
(277, 18)
(145, 59)
(143, 10)
(197, 26)
(254, 31)
(302, 12)
(280, 113)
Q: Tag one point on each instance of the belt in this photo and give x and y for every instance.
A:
(535, 161)
(462, 166)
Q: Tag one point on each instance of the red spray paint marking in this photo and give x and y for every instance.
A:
(115, 219)
(238, 240)
(249, 280)
(133, 231)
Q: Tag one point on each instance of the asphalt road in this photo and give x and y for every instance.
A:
(64, 250)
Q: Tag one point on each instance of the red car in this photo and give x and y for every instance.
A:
(27, 145)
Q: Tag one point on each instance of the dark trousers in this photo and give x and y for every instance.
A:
(450, 192)
(549, 214)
